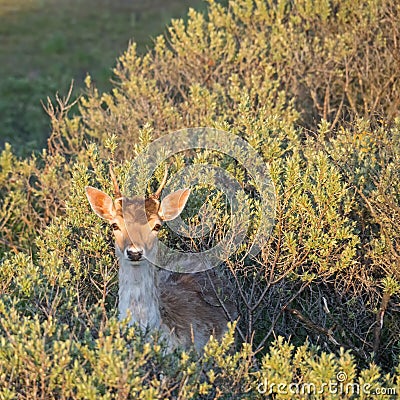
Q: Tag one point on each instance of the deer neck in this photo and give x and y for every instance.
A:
(138, 295)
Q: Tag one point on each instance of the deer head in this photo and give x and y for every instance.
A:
(136, 221)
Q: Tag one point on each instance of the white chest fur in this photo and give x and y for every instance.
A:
(138, 295)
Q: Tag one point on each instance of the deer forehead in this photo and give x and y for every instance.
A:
(139, 210)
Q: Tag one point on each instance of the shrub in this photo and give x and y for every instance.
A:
(327, 278)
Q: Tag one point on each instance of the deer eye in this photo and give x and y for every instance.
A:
(157, 227)
(115, 226)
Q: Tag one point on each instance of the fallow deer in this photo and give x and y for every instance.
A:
(184, 307)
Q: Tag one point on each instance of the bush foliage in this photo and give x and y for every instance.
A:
(313, 87)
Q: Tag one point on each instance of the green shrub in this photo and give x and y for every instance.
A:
(327, 278)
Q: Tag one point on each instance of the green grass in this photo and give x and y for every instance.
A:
(47, 43)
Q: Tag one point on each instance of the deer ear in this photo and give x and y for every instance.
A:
(101, 203)
(173, 204)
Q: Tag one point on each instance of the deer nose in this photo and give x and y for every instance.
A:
(134, 255)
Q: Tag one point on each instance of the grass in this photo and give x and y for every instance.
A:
(47, 43)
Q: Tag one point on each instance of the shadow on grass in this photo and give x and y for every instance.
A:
(47, 43)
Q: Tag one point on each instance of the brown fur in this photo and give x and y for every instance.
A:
(191, 307)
